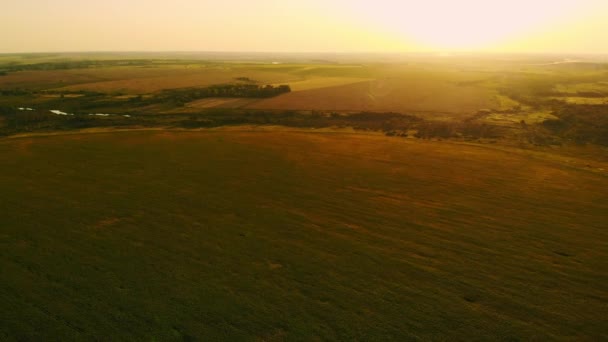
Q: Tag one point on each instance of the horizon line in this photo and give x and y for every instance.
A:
(442, 53)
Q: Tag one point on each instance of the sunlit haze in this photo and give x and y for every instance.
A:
(574, 26)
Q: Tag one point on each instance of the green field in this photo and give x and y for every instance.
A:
(268, 197)
(292, 235)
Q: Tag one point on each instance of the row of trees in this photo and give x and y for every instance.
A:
(576, 123)
(363, 120)
(65, 65)
(182, 96)
(581, 123)
(13, 121)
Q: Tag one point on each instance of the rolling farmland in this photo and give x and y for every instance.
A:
(387, 95)
(237, 234)
(153, 197)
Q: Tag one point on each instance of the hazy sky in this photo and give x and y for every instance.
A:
(305, 25)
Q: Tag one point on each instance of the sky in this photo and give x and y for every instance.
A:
(536, 26)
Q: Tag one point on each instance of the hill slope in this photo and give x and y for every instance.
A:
(285, 235)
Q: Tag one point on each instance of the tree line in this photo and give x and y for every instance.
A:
(183, 96)
(65, 65)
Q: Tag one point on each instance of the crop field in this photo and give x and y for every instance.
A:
(515, 100)
(218, 103)
(150, 79)
(179, 197)
(45, 79)
(172, 78)
(336, 87)
(450, 90)
(282, 234)
(324, 82)
(388, 95)
(394, 88)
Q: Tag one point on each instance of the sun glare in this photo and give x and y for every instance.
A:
(465, 24)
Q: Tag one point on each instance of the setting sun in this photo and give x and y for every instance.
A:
(468, 24)
(313, 26)
(304, 170)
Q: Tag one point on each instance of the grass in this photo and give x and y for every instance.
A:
(278, 235)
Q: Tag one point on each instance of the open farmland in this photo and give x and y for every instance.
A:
(287, 235)
(171, 78)
(148, 79)
(516, 101)
(394, 87)
(47, 79)
(304, 170)
(324, 82)
(388, 95)
(217, 103)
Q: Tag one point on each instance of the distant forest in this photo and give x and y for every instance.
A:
(183, 96)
